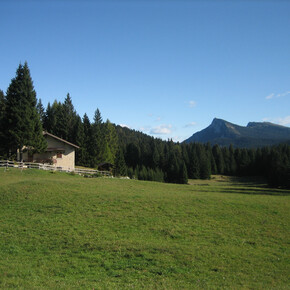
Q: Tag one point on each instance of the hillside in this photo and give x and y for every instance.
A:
(255, 134)
(61, 231)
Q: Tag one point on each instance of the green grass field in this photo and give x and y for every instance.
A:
(64, 231)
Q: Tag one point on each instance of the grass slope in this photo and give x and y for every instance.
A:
(63, 231)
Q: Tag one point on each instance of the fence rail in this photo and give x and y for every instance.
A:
(29, 165)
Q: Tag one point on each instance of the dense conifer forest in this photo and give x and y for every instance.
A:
(134, 154)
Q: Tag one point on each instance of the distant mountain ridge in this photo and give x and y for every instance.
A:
(255, 134)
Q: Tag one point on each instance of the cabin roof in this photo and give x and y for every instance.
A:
(62, 140)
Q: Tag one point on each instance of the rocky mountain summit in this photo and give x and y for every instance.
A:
(255, 134)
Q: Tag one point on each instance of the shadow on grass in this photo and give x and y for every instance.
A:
(257, 191)
(244, 185)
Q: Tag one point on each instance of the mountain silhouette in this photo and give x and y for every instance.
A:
(255, 134)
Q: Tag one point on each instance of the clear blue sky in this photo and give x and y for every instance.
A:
(166, 68)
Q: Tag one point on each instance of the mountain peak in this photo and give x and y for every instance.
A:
(217, 121)
(255, 134)
(264, 124)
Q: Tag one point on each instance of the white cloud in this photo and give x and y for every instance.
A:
(285, 94)
(192, 104)
(161, 130)
(178, 139)
(156, 117)
(125, 126)
(192, 124)
(284, 121)
(144, 129)
(281, 121)
(271, 96)
(275, 96)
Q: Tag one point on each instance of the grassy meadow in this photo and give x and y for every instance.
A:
(63, 231)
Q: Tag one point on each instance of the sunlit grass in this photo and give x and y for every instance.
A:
(64, 231)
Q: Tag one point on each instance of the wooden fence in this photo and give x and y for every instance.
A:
(29, 165)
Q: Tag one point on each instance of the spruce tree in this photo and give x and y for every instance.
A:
(204, 162)
(183, 174)
(219, 160)
(110, 142)
(98, 136)
(49, 120)
(79, 137)
(2, 134)
(120, 168)
(87, 153)
(22, 121)
(155, 158)
(132, 156)
(68, 118)
(233, 164)
(194, 168)
(98, 120)
(40, 111)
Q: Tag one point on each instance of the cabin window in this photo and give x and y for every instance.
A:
(59, 154)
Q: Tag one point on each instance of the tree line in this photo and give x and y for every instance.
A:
(178, 161)
(133, 153)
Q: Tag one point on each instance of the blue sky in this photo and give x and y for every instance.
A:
(166, 68)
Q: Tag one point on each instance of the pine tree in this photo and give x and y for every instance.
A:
(68, 118)
(233, 164)
(219, 160)
(204, 163)
(194, 168)
(87, 143)
(132, 156)
(51, 118)
(98, 120)
(79, 137)
(40, 111)
(183, 174)
(98, 136)
(22, 122)
(155, 158)
(173, 168)
(2, 134)
(120, 168)
(110, 143)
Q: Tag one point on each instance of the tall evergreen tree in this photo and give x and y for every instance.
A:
(2, 134)
(172, 173)
(40, 110)
(183, 177)
(232, 160)
(110, 143)
(194, 166)
(68, 118)
(52, 123)
(132, 156)
(79, 137)
(120, 168)
(22, 122)
(98, 136)
(219, 160)
(98, 120)
(205, 165)
(88, 157)
(155, 158)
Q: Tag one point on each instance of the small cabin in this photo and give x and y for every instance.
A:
(59, 153)
(105, 166)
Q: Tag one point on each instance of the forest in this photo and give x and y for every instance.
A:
(23, 118)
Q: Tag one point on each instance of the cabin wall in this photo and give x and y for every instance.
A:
(62, 154)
